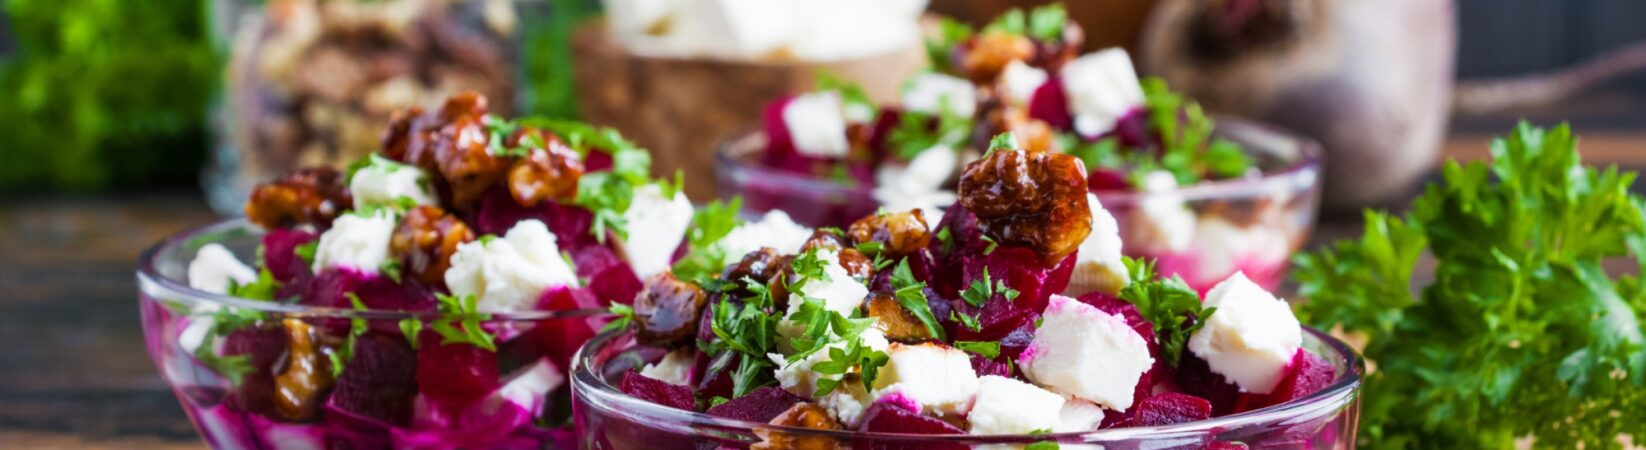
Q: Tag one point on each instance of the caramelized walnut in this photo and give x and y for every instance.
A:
(1051, 55)
(801, 415)
(463, 160)
(425, 241)
(824, 238)
(856, 263)
(548, 173)
(988, 54)
(779, 284)
(667, 309)
(898, 234)
(898, 323)
(759, 265)
(306, 374)
(1032, 199)
(311, 196)
(1032, 134)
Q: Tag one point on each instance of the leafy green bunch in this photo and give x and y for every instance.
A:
(1188, 148)
(1522, 331)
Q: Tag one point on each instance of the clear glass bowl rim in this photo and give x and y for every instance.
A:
(156, 286)
(1301, 174)
(1340, 392)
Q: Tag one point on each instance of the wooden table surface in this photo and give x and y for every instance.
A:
(73, 371)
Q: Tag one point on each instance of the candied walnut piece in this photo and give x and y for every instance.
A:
(801, 415)
(667, 309)
(988, 54)
(856, 263)
(898, 323)
(425, 241)
(824, 238)
(469, 169)
(306, 374)
(1032, 134)
(759, 265)
(311, 196)
(899, 234)
(548, 173)
(1031, 199)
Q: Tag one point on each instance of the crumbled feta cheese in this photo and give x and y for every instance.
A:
(1250, 338)
(675, 368)
(1019, 81)
(383, 183)
(214, 267)
(918, 185)
(1008, 406)
(355, 241)
(1101, 86)
(798, 377)
(775, 230)
(1098, 264)
(655, 227)
(937, 377)
(847, 403)
(1078, 416)
(528, 388)
(1087, 353)
(1162, 222)
(932, 93)
(509, 273)
(839, 291)
(817, 124)
(1222, 247)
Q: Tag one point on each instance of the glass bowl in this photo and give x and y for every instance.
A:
(608, 419)
(276, 390)
(1202, 232)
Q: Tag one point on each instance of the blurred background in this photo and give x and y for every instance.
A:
(124, 121)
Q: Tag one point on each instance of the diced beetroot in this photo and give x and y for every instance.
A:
(1107, 180)
(886, 417)
(1170, 407)
(597, 161)
(1132, 131)
(778, 141)
(498, 212)
(560, 338)
(1220, 445)
(381, 381)
(266, 345)
(658, 391)
(332, 287)
(711, 375)
(760, 405)
(1306, 374)
(1195, 378)
(985, 367)
(454, 375)
(280, 256)
(1051, 104)
(611, 279)
(1020, 269)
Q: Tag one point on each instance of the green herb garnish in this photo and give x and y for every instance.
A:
(968, 321)
(705, 257)
(1168, 304)
(262, 288)
(460, 322)
(986, 349)
(911, 295)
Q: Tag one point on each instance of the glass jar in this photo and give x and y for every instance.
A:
(313, 82)
(608, 419)
(262, 374)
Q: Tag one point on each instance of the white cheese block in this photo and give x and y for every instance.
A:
(798, 377)
(1078, 416)
(675, 368)
(214, 267)
(1098, 264)
(1101, 86)
(846, 403)
(817, 124)
(656, 225)
(839, 291)
(510, 273)
(1082, 351)
(918, 185)
(355, 241)
(383, 183)
(1250, 338)
(939, 378)
(1019, 81)
(775, 230)
(1008, 406)
(932, 93)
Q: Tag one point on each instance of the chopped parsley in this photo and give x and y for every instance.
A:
(965, 320)
(460, 322)
(915, 133)
(705, 257)
(262, 288)
(411, 327)
(940, 45)
(986, 349)
(982, 290)
(306, 251)
(625, 317)
(1168, 304)
(341, 355)
(607, 194)
(1189, 151)
(911, 295)
(224, 321)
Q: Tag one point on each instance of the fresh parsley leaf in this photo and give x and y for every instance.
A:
(261, 289)
(224, 321)
(486, 239)
(1521, 332)
(851, 93)
(625, 317)
(986, 349)
(1013, 21)
(940, 45)
(411, 327)
(1042, 445)
(947, 239)
(1046, 22)
(705, 257)
(988, 250)
(344, 353)
(1188, 150)
(982, 290)
(460, 322)
(391, 269)
(915, 132)
(1169, 304)
(911, 295)
(1003, 141)
(968, 321)
(306, 251)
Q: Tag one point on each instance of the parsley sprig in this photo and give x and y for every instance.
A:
(1189, 151)
(460, 322)
(749, 329)
(1521, 332)
(608, 193)
(1169, 304)
(918, 132)
(911, 295)
(705, 257)
(224, 321)
(981, 290)
(1044, 23)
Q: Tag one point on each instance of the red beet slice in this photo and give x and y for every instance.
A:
(1195, 377)
(1306, 374)
(760, 405)
(884, 417)
(611, 279)
(381, 381)
(985, 367)
(560, 338)
(1051, 104)
(658, 391)
(332, 287)
(280, 256)
(454, 375)
(1132, 131)
(266, 345)
(1106, 180)
(1170, 407)
(498, 212)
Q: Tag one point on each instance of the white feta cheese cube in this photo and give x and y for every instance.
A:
(355, 241)
(655, 227)
(799, 378)
(846, 403)
(675, 368)
(775, 230)
(1098, 264)
(1078, 416)
(1082, 351)
(1019, 81)
(839, 291)
(1101, 86)
(1162, 222)
(933, 93)
(214, 266)
(817, 124)
(938, 377)
(1250, 338)
(509, 273)
(383, 182)
(1008, 406)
